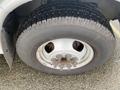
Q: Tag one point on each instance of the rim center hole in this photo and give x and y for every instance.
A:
(49, 47)
(78, 46)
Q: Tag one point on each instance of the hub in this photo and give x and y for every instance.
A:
(65, 54)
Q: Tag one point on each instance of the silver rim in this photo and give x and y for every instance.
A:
(65, 54)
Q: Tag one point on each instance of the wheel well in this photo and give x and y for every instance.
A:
(14, 19)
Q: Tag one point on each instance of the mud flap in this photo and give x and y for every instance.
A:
(115, 27)
(8, 49)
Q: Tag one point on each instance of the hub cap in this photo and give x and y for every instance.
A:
(65, 54)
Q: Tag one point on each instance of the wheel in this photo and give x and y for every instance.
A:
(65, 40)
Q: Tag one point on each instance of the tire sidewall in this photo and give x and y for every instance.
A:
(29, 41)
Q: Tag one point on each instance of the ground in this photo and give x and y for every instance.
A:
(22, 77)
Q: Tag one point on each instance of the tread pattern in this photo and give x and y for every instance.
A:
(90, 24)
(64, 9)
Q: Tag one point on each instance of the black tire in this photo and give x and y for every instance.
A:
(34, 32)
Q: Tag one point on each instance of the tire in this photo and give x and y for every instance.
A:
(35, 31)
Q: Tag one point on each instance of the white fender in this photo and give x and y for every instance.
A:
(115, 27)
(7, 6)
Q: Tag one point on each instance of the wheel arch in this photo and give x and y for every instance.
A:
(109, 8)
(9, 23)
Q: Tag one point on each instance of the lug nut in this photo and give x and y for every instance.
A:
(68, 57)
(55, 62)
(59, 57)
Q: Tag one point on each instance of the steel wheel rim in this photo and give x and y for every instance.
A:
(65, 54)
